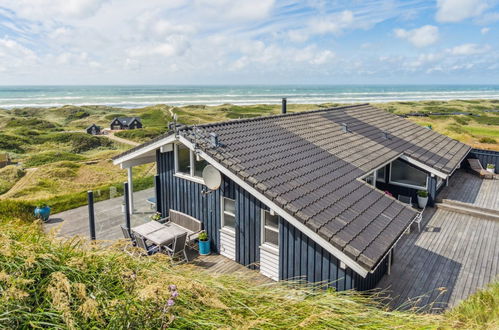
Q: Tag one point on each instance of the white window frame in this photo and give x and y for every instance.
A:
(378, 178)
(192, 158)
(223, 213)
(406, 184)
(263, 227)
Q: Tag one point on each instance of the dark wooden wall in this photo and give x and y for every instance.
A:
(186, 196)
(485, 157)
(302, 258)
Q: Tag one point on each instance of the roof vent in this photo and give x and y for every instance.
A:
(386, 136)
(214, 140)
(345, 127)
(284, 107)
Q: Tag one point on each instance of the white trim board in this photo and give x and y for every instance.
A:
(423, 166)
(137, 153)
(292, 220)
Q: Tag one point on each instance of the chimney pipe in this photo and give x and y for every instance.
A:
(283, 109)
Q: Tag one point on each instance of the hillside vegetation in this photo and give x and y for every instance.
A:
(42, 138)
(52, 283)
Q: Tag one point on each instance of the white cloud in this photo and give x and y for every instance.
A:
(485, 30)
(469, 49)
(43, 9)
(458, 10)
(236, 10)
(421, 37)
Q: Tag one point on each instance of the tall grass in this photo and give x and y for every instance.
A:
(51, 283)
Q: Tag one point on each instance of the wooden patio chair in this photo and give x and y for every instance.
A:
(478, 169)
(193, 225)
(149, 249)
(419, 219)
(177, 248)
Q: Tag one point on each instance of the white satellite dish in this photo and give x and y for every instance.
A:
(212, 177)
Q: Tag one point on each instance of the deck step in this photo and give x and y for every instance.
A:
(470, 206)
(465, 209)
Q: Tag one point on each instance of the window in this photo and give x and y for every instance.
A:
(183, 160)
(381, 174)
(404, 174)
(270, 229)
(199, 166)
(187, 163)
(229, 213)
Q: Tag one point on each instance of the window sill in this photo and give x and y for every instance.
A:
(228, 231)
(407, 185)
(271, 248)
(190, 178)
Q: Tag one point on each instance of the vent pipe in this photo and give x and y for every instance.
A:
(345, 127)
(214, 140)
(386, 135)
(283, 109)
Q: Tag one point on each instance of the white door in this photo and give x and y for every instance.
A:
(269, 248)
(228, 228)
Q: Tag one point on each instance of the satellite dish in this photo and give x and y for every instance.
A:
(212, 177)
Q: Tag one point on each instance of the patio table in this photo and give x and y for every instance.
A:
(147, 228)
(167, 234)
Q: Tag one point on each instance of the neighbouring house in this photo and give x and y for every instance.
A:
(303, 195)
(126, 123)
(4, 159)
(93, 129)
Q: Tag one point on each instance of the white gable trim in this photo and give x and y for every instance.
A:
(424, 167)
(292, 220)
(140, 152)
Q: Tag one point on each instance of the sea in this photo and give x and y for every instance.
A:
(140, 96)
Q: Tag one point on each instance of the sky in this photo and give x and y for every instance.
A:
(57, 42)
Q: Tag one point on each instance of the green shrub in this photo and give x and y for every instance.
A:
(31, 123)
(141, 134)
(12, 143)
(9, 175)
(13, 209)
(82, 142)
(462, 120)
(487, 140)
(77, 114)
(51, 157)
(487, 120)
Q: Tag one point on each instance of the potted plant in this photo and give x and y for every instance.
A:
(204, 244)
(422, 198)
(156, 216)
(42, 212)
(491, 168)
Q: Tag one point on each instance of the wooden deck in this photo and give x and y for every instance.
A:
(453, 256)
(469, 188)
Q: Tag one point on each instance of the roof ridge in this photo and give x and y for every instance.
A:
(259, 118)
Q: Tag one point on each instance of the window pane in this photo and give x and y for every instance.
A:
(199, 167)
(229, 221)
(184, 160)
(381, 174)
(407, 174)
(271, 220)
(230, 205)
(271, 236)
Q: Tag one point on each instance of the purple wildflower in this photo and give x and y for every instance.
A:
(170, 302)
(173, 287)
(174, 294)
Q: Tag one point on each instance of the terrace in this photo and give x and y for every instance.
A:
(457, 251)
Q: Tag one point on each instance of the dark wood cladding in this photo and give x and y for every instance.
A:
(302, 259)
(485, 157)
(186, 196)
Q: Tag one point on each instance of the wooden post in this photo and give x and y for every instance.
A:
(91, 214)
(157, 186)
(127, 206)
(130, 190)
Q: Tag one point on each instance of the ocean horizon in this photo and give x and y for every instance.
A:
(135, 96)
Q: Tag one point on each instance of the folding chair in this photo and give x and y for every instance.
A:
(150, 249)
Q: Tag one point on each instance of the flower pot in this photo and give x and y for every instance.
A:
(491, 170)
(422, 201)
(204, 248)
(42, 213)
(123, 208)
